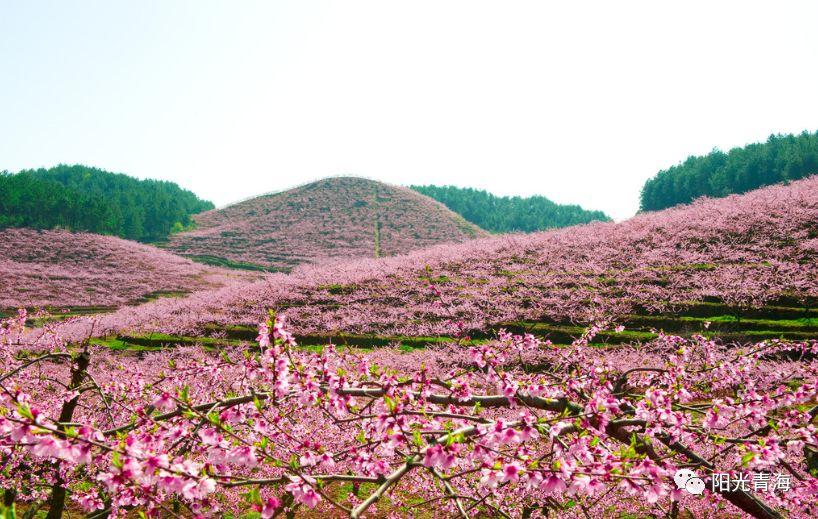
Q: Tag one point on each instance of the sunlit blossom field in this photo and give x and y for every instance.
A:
(565, 373)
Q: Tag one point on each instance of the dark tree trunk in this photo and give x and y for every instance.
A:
(9, 497)
(56, 503)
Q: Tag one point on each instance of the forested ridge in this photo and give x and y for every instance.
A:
(782, 158)
(509, 213)
(81, 198)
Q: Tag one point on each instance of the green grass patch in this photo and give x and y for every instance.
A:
(337, 289)
(774, 312)
(562, 333)
(120, 344)
(217, 261)
(689, 266)
(309, 342)
(55, 314)
(159, 294)
(720, 323)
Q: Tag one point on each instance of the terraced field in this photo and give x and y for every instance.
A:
(783, 319)
(38, 316)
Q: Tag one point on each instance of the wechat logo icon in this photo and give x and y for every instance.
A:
(688, 480)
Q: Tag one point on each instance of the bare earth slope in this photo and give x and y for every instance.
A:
(341, 217)
(61, 268)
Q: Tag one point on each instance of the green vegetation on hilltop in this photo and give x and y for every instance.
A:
(782, 158)
(81, 198)
(509, 213)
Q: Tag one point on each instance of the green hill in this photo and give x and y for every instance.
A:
(81, 198)
(509, 213)
(782, 158)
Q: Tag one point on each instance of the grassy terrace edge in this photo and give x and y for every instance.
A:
(217, 261)
(640, 328)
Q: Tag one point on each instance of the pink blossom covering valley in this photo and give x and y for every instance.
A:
(745, 250)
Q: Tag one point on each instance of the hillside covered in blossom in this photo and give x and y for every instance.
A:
(67, 269)
(335, 218)
(571, 373)
(742, 252)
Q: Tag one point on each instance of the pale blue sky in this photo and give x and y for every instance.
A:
(577, 101)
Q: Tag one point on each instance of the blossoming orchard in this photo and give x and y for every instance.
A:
(574, 373)
(514, 426)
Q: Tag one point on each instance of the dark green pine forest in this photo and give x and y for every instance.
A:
(81, 198)
(500, 214)
(782, 158)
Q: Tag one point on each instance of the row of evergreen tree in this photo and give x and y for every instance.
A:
(782, 158)
(509, 213)
(81, 198)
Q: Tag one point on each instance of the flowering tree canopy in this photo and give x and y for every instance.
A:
(514, 426)
(744, 251)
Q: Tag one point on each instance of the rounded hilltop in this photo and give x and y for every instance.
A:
(332, 218)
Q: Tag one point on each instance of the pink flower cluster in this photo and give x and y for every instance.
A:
(274, 428)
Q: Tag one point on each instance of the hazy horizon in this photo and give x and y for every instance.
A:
(580, 103)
